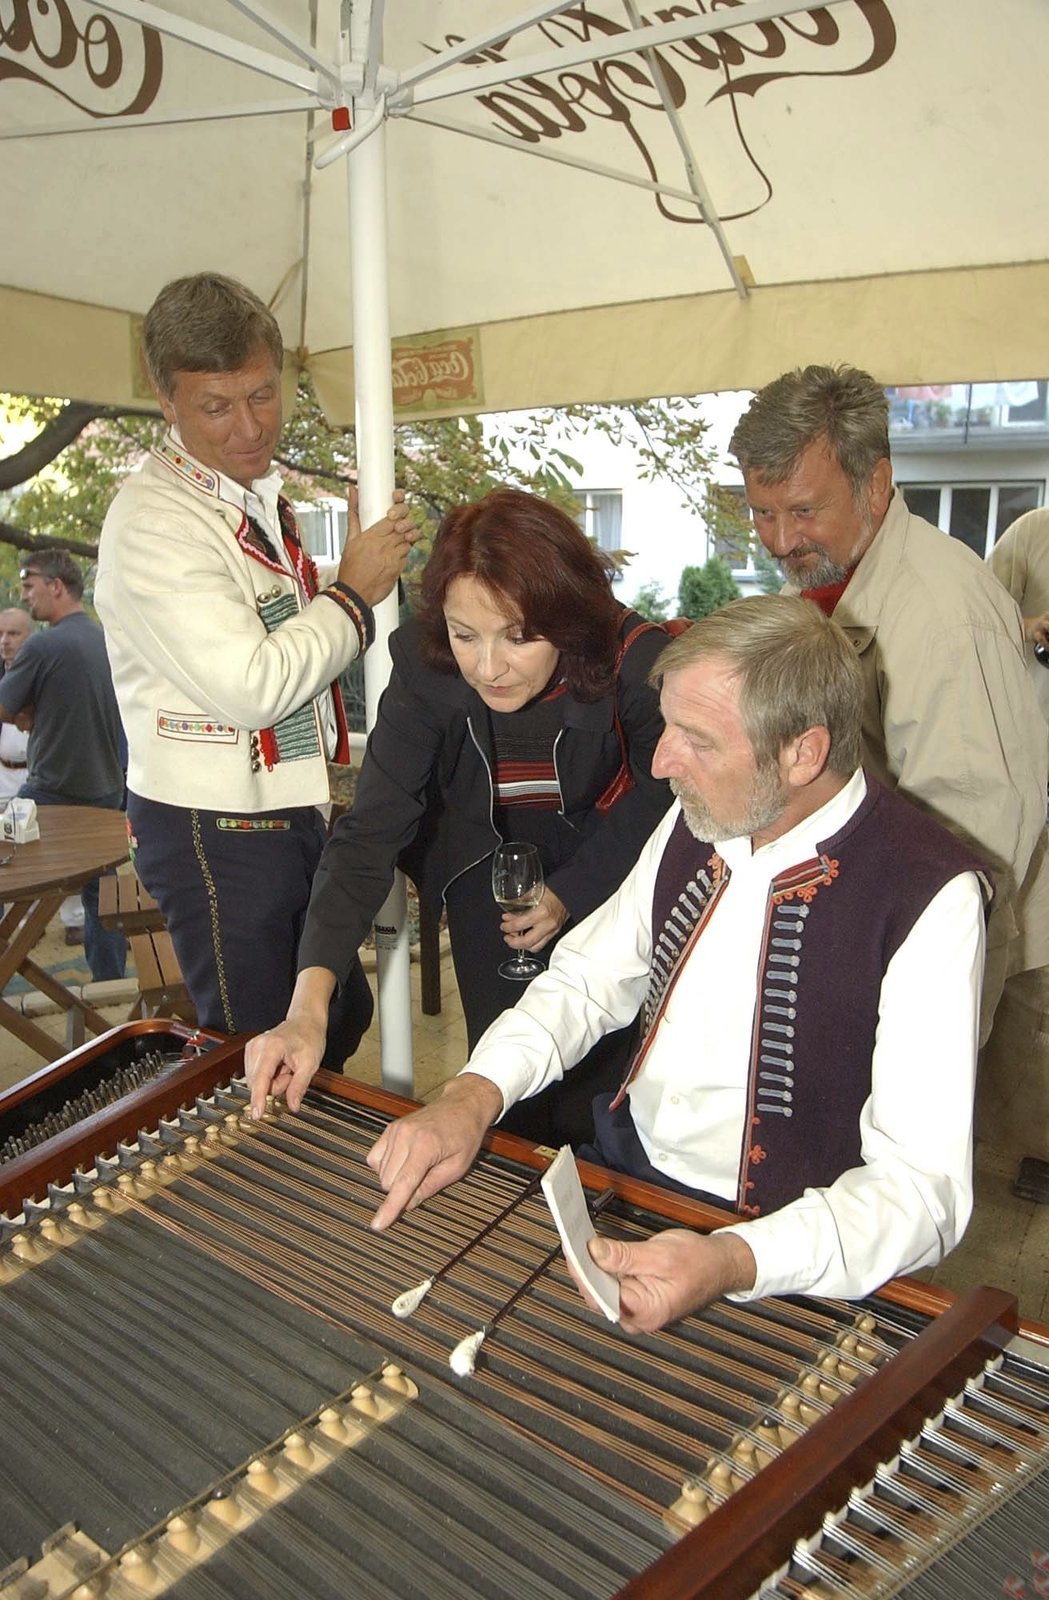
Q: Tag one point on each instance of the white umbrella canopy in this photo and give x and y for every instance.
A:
(862, 180)
(535, 204)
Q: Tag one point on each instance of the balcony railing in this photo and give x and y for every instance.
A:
(960, 410)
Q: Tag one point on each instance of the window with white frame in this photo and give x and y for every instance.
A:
(601, 515)
(969, 408)
(730, 530)
(322, 527)
(976, 513)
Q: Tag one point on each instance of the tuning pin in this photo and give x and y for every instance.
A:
(299, 1451)
(262, 1477)
(182, 1534)
(331, 1424)
(138, 1566)
(226, 1508)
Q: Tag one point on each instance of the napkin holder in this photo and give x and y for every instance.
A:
(18, 824)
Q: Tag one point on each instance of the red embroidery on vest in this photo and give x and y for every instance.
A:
(804, 881)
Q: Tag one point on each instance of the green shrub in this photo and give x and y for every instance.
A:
(706, 589)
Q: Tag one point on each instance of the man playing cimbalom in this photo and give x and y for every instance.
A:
(950, 718)
(806, 949)
(225, 652)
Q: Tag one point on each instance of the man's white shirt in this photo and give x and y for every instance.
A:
(910, 1200)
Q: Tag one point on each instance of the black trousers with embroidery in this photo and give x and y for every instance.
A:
(233, 890)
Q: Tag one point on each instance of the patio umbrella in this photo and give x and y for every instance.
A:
(583, 202)
(535, 204)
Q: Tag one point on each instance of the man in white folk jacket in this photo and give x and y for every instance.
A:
(226, 649)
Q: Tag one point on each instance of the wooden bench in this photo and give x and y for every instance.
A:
(126, 906)
(161, 988)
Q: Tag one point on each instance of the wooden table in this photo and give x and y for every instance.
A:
(76, 844)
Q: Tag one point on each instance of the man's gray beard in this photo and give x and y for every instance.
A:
(825, 571)
(766, 803)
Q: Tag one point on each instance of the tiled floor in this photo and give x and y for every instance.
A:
(438, 1043)
(1007, 1243)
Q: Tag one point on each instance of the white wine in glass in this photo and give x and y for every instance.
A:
(517, 884)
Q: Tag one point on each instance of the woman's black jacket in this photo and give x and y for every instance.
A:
(424, 796)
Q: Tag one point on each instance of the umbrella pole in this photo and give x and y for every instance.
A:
(373, 396)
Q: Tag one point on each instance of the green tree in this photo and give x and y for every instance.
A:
(706, 589)
(729, 528)
(56, 488)
(732, 536)
(770, 578)
(651, 602)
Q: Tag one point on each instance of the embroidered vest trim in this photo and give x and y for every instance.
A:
(688, 918)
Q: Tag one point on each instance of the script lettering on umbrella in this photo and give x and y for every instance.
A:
(813, 44)
(94, 65)
(445, 370)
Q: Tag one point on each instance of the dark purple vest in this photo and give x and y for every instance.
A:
(833, 925)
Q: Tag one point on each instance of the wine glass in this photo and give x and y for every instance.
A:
(517, 884)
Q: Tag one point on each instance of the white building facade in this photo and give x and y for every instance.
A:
(970, 458)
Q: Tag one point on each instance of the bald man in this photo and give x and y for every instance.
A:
(15, 627)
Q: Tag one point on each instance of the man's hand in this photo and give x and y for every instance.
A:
(676, 1272)
(422, 1153)
(372, 561)
(533, 930)
(1036, 629)
(21, 719)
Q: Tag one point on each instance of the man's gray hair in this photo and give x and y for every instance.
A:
(206, 323)
(55, 564)
(795, 667)
(841, 405)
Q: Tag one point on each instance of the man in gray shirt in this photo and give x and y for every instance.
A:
(61, 689)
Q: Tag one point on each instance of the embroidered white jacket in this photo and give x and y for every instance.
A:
(197, 674)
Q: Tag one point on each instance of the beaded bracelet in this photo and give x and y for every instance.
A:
(358, 610)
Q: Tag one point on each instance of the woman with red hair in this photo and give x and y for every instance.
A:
(516, 694)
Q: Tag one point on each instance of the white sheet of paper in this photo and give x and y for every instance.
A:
(564, 1195)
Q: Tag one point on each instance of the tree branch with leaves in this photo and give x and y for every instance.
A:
(56, 486)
